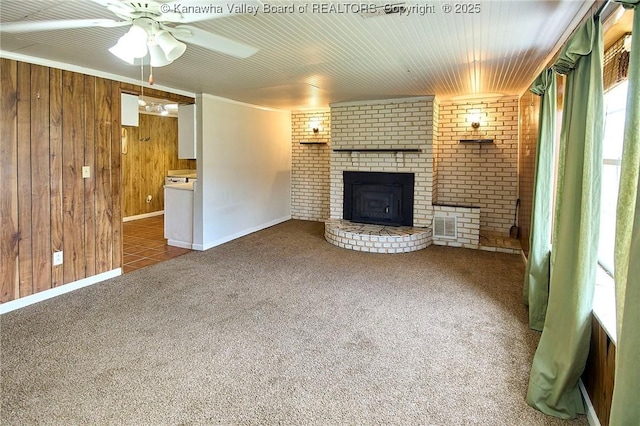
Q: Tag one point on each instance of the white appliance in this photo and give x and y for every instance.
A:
(180, 176)
(175, 179)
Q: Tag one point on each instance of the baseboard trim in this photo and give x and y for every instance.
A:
(592, 417)
(57, 291)
(223, 240)
(143, 216)
(181, 244)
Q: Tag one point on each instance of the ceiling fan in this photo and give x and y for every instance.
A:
(153, 28)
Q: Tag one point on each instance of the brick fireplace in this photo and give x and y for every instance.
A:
(475, 184)
(390, 135)
(378, 198)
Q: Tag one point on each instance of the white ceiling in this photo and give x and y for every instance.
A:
(308, 60)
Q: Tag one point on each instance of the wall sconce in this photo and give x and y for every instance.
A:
(475, 119)
(314, 125)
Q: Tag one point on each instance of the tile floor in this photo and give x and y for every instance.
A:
(144, 244)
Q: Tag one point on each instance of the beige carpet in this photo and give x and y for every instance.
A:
(280, 327)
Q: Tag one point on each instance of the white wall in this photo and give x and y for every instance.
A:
(244, 170)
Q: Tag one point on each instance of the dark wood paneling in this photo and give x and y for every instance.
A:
(40, 178)
(90, 183)
(104, 210)
(599, 373)
(116, 178)
(73, 187)
(55, 160)
(54, 122)
(9, 266)
(25, 248)
(147, 161)
(130, 161)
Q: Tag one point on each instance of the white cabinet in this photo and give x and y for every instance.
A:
(178, 214)
(129, 110)
(187, 131)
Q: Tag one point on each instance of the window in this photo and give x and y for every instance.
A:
(615, 104)
(604, 301)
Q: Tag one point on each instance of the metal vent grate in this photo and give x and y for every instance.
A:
(445, 226)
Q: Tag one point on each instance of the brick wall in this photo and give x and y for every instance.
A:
(384, 124)
(310, 165)
(434, 178)
(468, 226)
(529, 112)
(479, 175)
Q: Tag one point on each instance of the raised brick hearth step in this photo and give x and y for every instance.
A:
(376, 238)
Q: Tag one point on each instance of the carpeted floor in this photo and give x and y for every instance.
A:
(280, 327)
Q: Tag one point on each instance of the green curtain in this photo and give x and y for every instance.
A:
(536, 278)
(626, 395)
(564, 344)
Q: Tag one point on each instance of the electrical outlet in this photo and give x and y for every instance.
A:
(57, 258)
(149, 199)
(86, 172)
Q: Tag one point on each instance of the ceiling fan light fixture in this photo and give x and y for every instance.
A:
(157, 56)
(172, 48)
(121, 51)
(131, 45)
(136, 40)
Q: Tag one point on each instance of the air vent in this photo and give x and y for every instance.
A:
(445, 227)
(387, 9)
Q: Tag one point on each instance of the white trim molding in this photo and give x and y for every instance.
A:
(592, 417)
(215, 243)
(57, 291)
(143, 216)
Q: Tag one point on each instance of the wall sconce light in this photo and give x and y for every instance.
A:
(314, 125)
(475, 119)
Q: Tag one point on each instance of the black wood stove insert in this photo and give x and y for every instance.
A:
(378, 198)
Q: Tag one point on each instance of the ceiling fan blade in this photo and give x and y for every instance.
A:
(214, 42)
(188, 11)
(31, 26)
(122, 9)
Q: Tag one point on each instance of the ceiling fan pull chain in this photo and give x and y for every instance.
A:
(142, 79)
(151, 80)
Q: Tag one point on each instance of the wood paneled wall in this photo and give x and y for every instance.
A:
(146, 162)
(599, 373)
(53, 123)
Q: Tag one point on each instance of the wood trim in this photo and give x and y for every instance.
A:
(155, 93)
